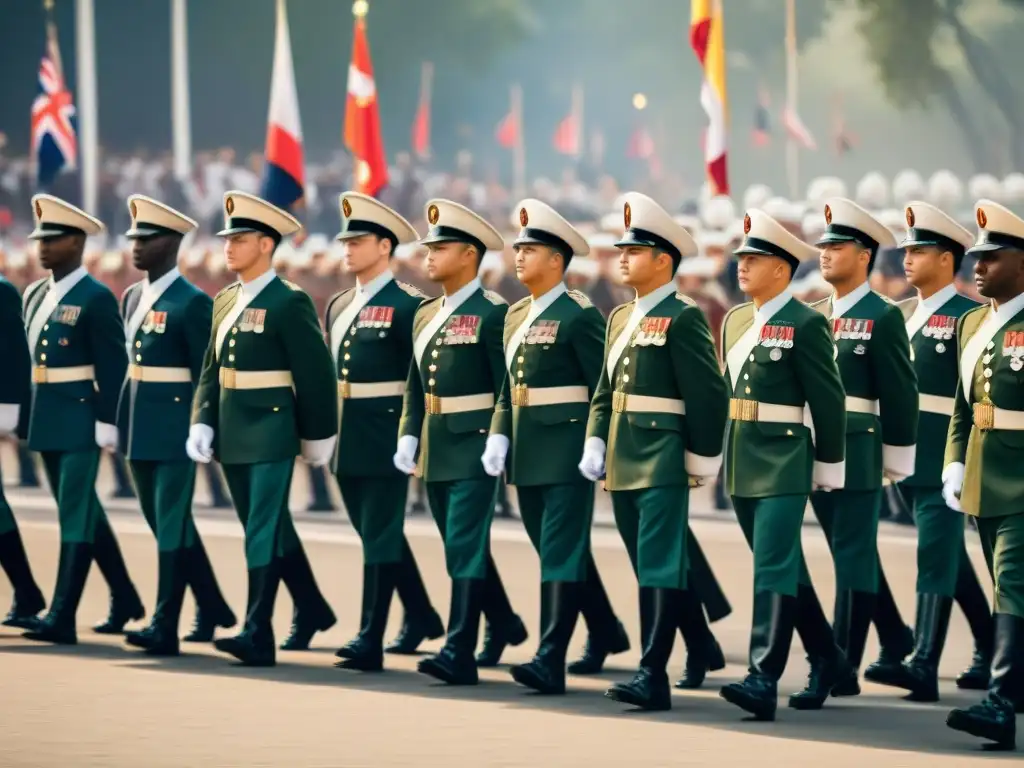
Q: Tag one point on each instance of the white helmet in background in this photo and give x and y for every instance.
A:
(907, 185)
(872, 191)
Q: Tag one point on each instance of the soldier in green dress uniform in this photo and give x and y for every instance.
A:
(780, 359)
(76, 340)
(266, 394)
(935, 246)
(659, 408)
(370, 334)
(456, 376)
(553, 351)
(167, 327)
(881, 431)
(985, 453)
(15, 395)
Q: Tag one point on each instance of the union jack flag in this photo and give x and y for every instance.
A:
(54, 139)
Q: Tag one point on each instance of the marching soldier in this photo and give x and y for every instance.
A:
(370, 333)
(266, 394)
(76, 341)
(454, 382)
(167, 327)
(15, 395)
(660, 406)
(779, 358)
(984, 454)
(935, 246)
(553, 345)
(873, 353)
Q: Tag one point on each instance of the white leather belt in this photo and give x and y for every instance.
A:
(766, 413)
(523, 395)
(987, 416)
(159, 375)
(230, 378)
(437, 406)
(42, 374)
(937, 404)
(348, 390)
(861, 405)
(624, 402)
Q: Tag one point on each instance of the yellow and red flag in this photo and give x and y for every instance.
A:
(707, 38)
(362, 118)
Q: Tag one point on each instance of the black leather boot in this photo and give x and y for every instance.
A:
(605, 633)
(454, 663)
(701, 579)
(160, 638)
(125, 603)
(421, 621)
(703, 653)
(853, 614)
(828, 664)
(212, 610)
(545, 673)
(28, 599)
(254, 645)
(920, 673)
(894, 636)
(975, 606)
(355, 646)
(504, 627)
(58, 625)
(649, 688)
(311, 613)
(770, 639)
(993, 719)
(366, 652)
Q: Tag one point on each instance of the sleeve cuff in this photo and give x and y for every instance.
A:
(830, 475)
(319, 450)
(595, 444)
(9, 414)
(898, 460)
(702, 466)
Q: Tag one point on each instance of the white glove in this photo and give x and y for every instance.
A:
(405, 455)
(827, 476)
(9, 414)
(592, 464)
(106, 436)
(494, 455)
(953, 484)
(317, 453)
(199, 445)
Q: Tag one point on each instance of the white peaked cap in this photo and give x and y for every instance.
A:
(756, 195)
(584, 267)
(764, 236)
(406, 251)
(998, 227)
(718, 212)
(493, 261)
(945, 190)
(248, 213)
(55, 217)
(714, 238)
(603, 240)
(698, 266)
(543, 225)
(1013, 187)
(846, 221)
(452, 222)
(151, 217)
(648, 224)
(907, 185)
(780, 209)
(365, 215)
(927, 225)
(872, 191)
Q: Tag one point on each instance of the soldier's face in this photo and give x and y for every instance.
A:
(840, 261)
(444, 260)
(242, 251)
(998, 274)
(535, 262)
(757, 274)
(55, 252)
(925, 264)
(364, 252)
(149, 252)
(638, 264)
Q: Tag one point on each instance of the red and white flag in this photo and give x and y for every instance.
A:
(796, 129)
(363, 136)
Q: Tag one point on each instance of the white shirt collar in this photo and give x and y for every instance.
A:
(545, 300)
(62, 287)
(767, 311)
(841, 306)
(938, 298)
(1009, 309)
(645, 304)
(253, 287)
(160, 285)
(374, 287)
(458, 298)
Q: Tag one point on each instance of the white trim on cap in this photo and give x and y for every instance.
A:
(646, 213)
(452, 214)
(927, 216)
(150, 211)
(249, 206)
(366, 208)
(57, 211)
(540, 215)
(847, 213)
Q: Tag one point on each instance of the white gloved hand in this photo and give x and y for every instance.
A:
(405, 455)
(591, 466)
(9, 414)
(494, 455)
(953, 484)
(106, 436)
(317, 453)
(199, 445)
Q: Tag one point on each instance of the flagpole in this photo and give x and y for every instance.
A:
(577, 110)
(519, 151)
(426, 88)
(181, 118)
(792, 148)
(85, 38)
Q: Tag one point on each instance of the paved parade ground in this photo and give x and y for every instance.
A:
(99, 704)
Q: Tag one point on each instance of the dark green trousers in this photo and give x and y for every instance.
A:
(165, 491)
(653, 524)
(7, 521)
(772, 528)
(376, 507)
(941, 550)
(850, 521)
(1002, 539)
(557, 519)
(72, 479)
(260, 494)
(463, 511)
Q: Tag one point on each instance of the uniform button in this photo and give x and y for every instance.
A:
(520, 359)
(654, 423)
(988, 373)
(139, 344)
(519, 374)
(431, 382)
(344, 371)
(990, 345)
(747, 390)
(234, 329)
(231, 358)
(42, 357)
(177, 399)
(46, 327)
(138, 358)
(986, 359)
(789, 432)
(352, 332)
(431, 367)
(988, 386)
(434, 354)
(347, 356)
(751, 358)
(231, 343)
(625, 378)
(625, 361)
(348, 343)
(45, 342)
(277, 408)
(746, 376)
(871, 429)
(437, 342)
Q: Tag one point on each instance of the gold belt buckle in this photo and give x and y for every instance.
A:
(984, 416)
(39, 374)
(230, 378)
(743, 410)
(619, 400)
(520, 395)
(432, 404)
(344, 390)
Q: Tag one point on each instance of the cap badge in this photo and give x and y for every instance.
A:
(133, 209)
(346, 207)
(746, 223)
(627, 214)
(433, 214)
(39, 210)
(229, 205)
(828, 214)
(910, 216)
(524, 218)
(982, 218)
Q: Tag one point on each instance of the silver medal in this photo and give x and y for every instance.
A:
(940, 347)
(775, 354)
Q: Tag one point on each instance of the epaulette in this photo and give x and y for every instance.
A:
(738, 313)
(685, 299)
(291, 285)
(428, 301)
(821, 305)
(523, 302)
(227, 289)
(494, 298)
(969, 323)
(34, 286)
(411, 289)
(580, 298)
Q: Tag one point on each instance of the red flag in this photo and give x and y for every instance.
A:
(507, 132)
(362, 119)
(421, 123)
(641, 145)
(567, 136)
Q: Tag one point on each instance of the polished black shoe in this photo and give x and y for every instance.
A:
(205, 625)
(25, 609)
(311, 613)
(757, 694)
(892, 654)
(847, 685)
(497, 639)
(122, 610)
(595, 652)
(699, 664)
(58, 625)
(449, 668)
(303, 629)
(140, 638)
(361, 657)
(243, 648)
(771, 636)
(51, 630)
(163, 643)
(540, 675)
(976, 676)
(992, 720)
(414, 632)
(647, 690)
(821, 681)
